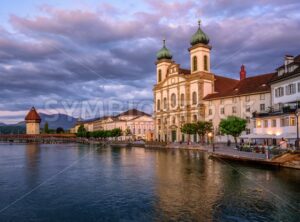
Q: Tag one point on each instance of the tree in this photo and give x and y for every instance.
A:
(189, 128)
(81, 132)
(116, 132)
(202, 128)
(46, 127)
(233, 126)
(60, 130)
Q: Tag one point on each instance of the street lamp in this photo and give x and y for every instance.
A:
(210, 136)
(297, 113)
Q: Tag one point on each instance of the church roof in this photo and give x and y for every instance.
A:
(33, 115)
(226, 87)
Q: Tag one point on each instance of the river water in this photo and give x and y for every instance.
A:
(86, 183)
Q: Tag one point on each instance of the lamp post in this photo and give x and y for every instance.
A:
(210, 136)
(297, 113)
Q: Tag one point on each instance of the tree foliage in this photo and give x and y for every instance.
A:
(233, 126)
(81, 132)
(203, 127)
(60, 130)
(46, 127)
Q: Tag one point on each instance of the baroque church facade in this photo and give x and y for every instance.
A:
(179, 93)
(190, 95)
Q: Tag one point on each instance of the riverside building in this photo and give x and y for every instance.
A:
(188, 95)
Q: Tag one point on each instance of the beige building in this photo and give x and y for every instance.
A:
(33, 121)
(185, 96)
(137, 124)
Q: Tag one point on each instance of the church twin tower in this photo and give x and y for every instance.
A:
(199, 56)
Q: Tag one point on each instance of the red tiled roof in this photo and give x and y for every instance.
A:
(255, 84)
(184, 71)
(33, 115)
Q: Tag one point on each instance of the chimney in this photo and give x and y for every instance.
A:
(242, 73)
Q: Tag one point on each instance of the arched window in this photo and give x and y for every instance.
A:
(182, 99)
(205, 63)
(165, 103)
(158, 104)
(194, 98)
(173, 100)
(159, 75)
(195, 63)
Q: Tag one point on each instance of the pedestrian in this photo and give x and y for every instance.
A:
(283, 144)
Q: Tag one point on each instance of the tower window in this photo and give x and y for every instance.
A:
(159, 75)
(205, 63)
(195, 63)
(194, 98)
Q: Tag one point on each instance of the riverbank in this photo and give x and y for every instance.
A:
(221, 151)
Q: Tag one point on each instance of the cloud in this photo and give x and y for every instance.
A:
(108, 53)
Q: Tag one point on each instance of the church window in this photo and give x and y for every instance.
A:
(182, 99)
(159, 75)
(173, 100)
(165, 103)
(158, 104)
(195, 63)
(205, 63)
(194, 98)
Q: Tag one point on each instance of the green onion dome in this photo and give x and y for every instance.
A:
(164, 53)
(199, 37)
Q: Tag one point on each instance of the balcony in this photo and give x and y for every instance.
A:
(289, 108)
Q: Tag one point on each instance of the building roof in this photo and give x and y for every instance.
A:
(226, 87)
(33, 115)
(133, 112)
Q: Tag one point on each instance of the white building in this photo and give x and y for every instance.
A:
(280, 120)
(138, 123)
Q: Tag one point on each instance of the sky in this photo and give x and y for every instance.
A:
(92, 58)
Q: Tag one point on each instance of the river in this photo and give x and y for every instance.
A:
(72, 182)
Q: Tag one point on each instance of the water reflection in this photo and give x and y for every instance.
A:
(135, 184)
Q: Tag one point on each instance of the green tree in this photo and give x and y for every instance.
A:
(60, 130)
(202, 128)
(233, 126)
(81, 132)
(189, 128)
(116, 132)
(46, 128)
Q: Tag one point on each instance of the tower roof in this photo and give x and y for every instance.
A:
(199, 36)
(164, 53)
(33, 115)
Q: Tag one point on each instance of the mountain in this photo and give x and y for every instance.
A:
(57, 120)
(2, 124)
(54, 121)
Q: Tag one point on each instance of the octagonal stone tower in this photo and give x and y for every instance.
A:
(33, 121)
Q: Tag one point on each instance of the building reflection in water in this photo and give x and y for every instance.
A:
(33, 155)
(188, 185)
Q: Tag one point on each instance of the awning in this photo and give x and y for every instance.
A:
(268, 136)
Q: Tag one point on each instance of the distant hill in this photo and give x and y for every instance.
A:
(58, 120)
(2, 124)
(12, 129)
(54, 121)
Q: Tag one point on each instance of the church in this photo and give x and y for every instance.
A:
(189, 95)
